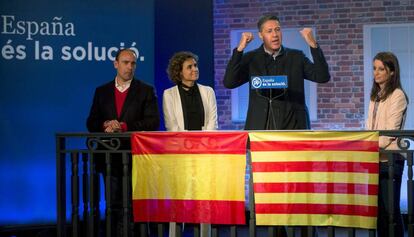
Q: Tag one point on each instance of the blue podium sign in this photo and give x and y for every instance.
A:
(269, 82)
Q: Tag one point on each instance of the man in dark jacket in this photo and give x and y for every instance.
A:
(124, 104)
(121, 105)
(276, 109)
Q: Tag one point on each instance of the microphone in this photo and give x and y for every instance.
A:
(279, 82)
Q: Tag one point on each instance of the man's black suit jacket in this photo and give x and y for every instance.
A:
(139, 112)
(287, 109)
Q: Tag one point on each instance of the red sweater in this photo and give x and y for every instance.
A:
(119, 103)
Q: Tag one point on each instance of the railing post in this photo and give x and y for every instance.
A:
(75, 193)
(61, 186)
(410, 193)
(233, 231)
(331, 231)
(108, 187)
(271, 231)
(85, 196)
(309, 231)
(291, 231)
(351, 232)
(160, 230)
(214, 231)
(196, 229)
(390, 203)
(93, 218)
(143, 229)
(126, 194)
(372, 233)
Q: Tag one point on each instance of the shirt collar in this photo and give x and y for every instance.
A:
(274, 55)
(123, 87)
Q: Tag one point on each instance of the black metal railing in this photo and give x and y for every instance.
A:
(79, 151)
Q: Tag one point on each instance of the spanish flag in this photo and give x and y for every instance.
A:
(315, 178)
(192, 177)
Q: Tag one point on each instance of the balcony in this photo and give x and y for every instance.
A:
(82, 215)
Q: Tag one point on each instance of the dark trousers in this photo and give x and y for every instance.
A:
(383, 198)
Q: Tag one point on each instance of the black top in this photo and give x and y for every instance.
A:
(192, 105)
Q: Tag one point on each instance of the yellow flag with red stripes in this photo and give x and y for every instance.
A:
(192, 177)
(315, 178)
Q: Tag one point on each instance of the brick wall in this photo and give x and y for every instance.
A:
(339, 27)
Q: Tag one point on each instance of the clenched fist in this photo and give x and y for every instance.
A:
(246, 38)
(308, 36)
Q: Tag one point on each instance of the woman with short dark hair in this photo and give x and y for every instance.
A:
(188, 105)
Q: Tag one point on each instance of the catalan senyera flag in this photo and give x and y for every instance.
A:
(192, 177)
(315, 178)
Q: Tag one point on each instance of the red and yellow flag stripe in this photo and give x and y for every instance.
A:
(315, 178)
(195, 177)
